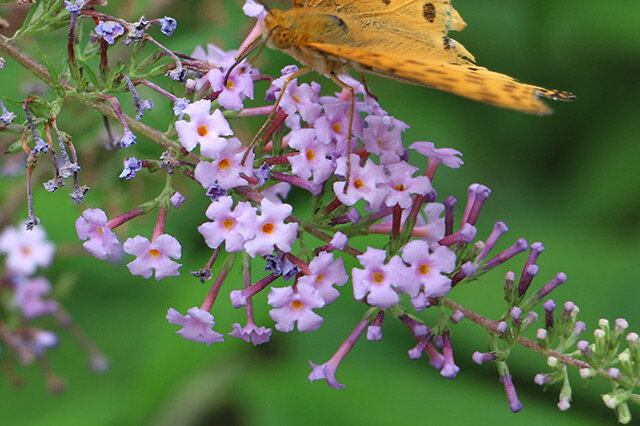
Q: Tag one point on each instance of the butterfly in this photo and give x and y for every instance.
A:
(405, 40)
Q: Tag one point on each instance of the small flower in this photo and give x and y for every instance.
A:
(31, 343)
(270, 229)
(25, 250)
(128, 139)
(428, 271)
(168, 25)
(102, 242)
(292, 307)
(339, 241)
(254, 10)
(235, 87)
(131, 166)
(73, 7)
(263, 173)
(251, 333)
(333, 125)
(312, 157)
(28, 296)
(447, 156)
(377, 280)
(109, 31)
(203, 128)
(154, 255)
(179, 105)
(277, 192)
(402, 185)
(366, 183)
(226, 169)
(229, 226)
(7, 116)
(326, 371)
(177, 199)
(325, 273)
(300, 102)
(215, 191)
(381, 136)
(197, 325)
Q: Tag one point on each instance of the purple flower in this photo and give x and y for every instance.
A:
(333, 125)
(253, 9)
(7, 116)
(295, 307)
(25, 250)
(73, 7)
(366, 183)
(325, 273)
(339, 241)
(251, 333)
(168, 25)
(128, 139)
(131, 166)
(215, 191)
(109, 31)
(28, 296)
(263, 173)
(203, 128)
(179, 105)
(154, 255)
(197, 325)
(301, 102)
(377, 280)
(102, 242)
(277, 192)
(177, 199)
(325, 371)
(32, 342)
(447, 156)
(232, 227)
(270, 230)
(226, 169)
(237, 87)
(402, 185)
(312, 158)
(381, 136)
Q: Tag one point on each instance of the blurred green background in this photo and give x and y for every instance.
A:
(570, 180)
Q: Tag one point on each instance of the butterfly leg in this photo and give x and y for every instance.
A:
(344, 85)
(272, 115)
(366, 88)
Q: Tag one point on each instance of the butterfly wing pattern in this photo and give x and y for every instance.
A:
(401, 39)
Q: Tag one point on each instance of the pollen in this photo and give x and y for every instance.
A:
(100, 231)
(424, 269)
(337, 128)
(319, 278)
(295, 98)
(154, 252)
(297, 304)
(358, 184)
(228, 223)
(310, 154)
(203, 131)
(378, 277)
(230, 84)
(268, 228)
(224, 164)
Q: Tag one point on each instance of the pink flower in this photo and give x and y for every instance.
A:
(203, 128)
(270, 229)
(292, 307)
(447, 156)
(277, 192)
(197, 325)
(251, 333)
(427, 271)
(230, 227)
(326, 272)
(28, 296)
(238, 86)
(326, 371)
(402, 185)
(154, 255)
(377, 280)
(333, 125)
(25, 250)
(226, 168)
(102, 242)
(368, 183)
(312, 158)
(381, 136)
(302, 100)
(253, 9)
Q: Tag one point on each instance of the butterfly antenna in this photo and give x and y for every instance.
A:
(254, 44)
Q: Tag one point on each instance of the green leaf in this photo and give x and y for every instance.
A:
(89, 74)
(53, 72)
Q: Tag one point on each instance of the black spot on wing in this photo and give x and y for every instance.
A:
(429, 12)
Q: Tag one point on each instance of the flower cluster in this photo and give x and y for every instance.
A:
(324, 170)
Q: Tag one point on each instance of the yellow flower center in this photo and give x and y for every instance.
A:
(26, 250)
(228, 223)
(295, 98)
(337, 127)
(268, 228)
(400, 187)
(424, 269)
(154, 252)
(297, 304)
(202, 130)
(310, 154)
(378, 277)
(224, 164)
(229, 84)
(358, 184)
(319, 278)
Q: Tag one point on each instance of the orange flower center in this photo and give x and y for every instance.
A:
(319, 278)
(400, 187)
(154, 252)
(378, 277)
(267, 228)
(202, 130)
(229, 84)
(297, 304)
(424, 269)
(310, 154)
(295, 98)
(224, 164)
(358, 184)
(337, 127)
(26, 250)
(228, 223)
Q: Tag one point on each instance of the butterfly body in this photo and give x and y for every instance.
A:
(405, 40)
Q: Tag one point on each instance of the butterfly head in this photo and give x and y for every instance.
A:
(276, 30)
